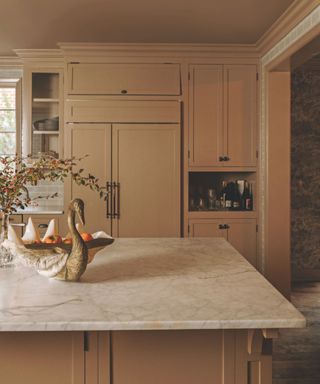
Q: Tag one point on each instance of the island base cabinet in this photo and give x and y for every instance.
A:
(179, 357)
(137, 357)
(41, 358)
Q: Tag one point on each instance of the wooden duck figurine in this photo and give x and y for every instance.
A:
(57, 262)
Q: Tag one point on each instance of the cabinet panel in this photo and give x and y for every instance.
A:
(206, 228)
(167, 357)
(243, 236)
(205, 114)
(146, 163)
(240, 97)
(95, 140)
(124, 111)
(117, 79)
(42, 357)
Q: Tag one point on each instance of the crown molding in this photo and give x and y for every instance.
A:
(161, 50)
(298, 10)
(40, 56)
(10, 62)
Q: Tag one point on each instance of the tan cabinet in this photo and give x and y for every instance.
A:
(141, 164)
(42, 357)
(146, 169)
(123, 79)
(222, 115)
(241, 233)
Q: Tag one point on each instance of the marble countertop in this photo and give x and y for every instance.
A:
(148, 284)
(39, 211)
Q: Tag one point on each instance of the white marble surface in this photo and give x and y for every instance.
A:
(148, 284)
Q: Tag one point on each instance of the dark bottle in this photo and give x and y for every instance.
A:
(229, 194)
(236, 198)
(223, 194)
(247, 198)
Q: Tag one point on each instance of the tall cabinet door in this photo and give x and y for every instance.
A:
(146, 164)
(243, 236)
(205, 114)
(240, 114)
(94, 140)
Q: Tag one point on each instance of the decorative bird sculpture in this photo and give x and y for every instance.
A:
(60, 262)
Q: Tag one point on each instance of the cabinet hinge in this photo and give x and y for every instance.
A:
(257, 76)
(257, 228)
(189, 76)
(188, 228)
(74, 62)
(188, 153)
(257, 154)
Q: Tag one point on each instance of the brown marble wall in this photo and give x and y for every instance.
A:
(305, 173)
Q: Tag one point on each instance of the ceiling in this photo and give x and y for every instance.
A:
(43, 23)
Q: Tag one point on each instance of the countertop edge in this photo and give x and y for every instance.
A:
(154, 325)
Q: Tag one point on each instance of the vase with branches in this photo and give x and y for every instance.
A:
(17, 173)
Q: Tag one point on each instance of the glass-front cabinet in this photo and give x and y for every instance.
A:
(42, 110)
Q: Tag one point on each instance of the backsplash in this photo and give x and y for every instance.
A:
(305, 173)
(45, 188)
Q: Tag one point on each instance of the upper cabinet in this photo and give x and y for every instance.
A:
(123, 79)
(222, 115)
(42, 110)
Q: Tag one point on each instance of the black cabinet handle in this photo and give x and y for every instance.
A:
(226, 226)
(221, 158)
(221, 226)
(226, 158)
(109, 200)
(124, 91)
(42, 226)
(116, 211)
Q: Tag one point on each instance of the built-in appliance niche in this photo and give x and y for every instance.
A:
(222, 191)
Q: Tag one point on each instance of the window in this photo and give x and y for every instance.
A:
(9, 127)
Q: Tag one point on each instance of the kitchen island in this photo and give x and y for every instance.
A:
(169, 311)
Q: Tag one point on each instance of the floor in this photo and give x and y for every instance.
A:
(297, 352)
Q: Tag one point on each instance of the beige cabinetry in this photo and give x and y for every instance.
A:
(140, 165)
(42, 357)
(240, 232)
(135, 357)
(222, 115)
(123, 79)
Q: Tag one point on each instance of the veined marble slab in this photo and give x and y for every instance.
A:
(137, 284)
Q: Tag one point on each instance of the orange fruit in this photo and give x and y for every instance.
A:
(86, 236)
(55, 239)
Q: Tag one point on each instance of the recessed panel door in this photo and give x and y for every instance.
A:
(240, 114)
(146, 166)
(93, 140)
(243, 236)
(205, 115)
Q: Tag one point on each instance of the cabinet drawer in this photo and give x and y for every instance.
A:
(123, 79)
(123, 111)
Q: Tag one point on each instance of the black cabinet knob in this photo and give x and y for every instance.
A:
(226, 158)
(124, 91)
(221, 158)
